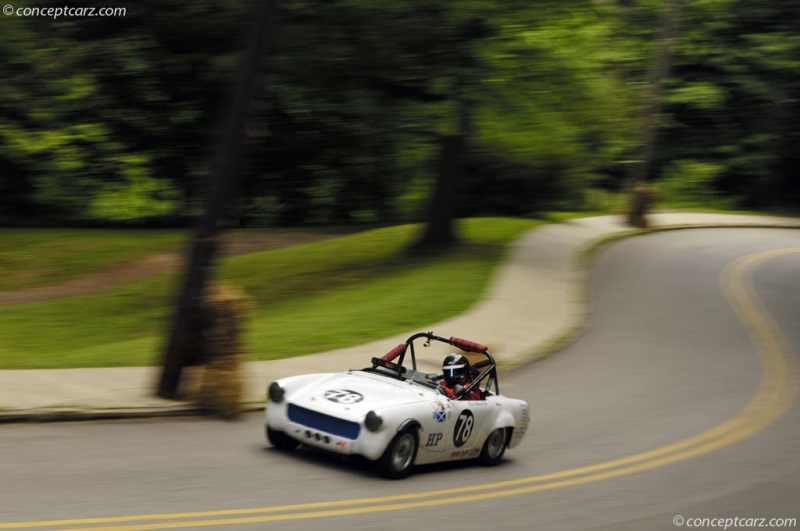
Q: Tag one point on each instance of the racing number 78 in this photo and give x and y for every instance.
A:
(463, 428)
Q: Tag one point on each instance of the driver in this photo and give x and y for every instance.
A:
(458, 372)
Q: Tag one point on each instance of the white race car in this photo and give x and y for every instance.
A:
(397, 415)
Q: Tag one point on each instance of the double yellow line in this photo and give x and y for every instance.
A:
(776, 393)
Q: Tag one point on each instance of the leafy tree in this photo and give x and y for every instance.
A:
(107, 118)
(190, 319)
(733, 100)
(410, 75)
(110, 119)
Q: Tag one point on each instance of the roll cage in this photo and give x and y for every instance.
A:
(487, 367)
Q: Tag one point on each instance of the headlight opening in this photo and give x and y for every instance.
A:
(373, 421)
(275, 393)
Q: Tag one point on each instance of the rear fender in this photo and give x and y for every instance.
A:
(505, 420)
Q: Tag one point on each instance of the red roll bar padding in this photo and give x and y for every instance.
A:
(396, 351)
(468, 346)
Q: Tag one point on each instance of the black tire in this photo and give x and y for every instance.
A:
(280, 440)
(398, 459)
(494, 448)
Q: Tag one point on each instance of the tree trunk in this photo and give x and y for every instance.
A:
(440, 230)
(187, 322)
(639, 170)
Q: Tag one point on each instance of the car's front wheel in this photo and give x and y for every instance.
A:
(280, 440)
(398, 459)
(494, 448)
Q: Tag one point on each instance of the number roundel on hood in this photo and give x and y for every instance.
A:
(343, 396)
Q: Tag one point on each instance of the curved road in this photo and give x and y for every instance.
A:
(678, 402)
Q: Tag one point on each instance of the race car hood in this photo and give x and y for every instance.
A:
(351, 395)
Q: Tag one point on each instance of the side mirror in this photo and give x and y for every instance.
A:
(458, 390)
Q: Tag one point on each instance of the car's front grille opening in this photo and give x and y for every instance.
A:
(323, 422)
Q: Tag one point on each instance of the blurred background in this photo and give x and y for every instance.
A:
(366, 114)
(110, 120)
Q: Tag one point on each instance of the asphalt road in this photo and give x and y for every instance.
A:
(679, 401)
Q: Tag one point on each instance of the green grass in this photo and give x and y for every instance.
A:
(309, 298)
(40, 257)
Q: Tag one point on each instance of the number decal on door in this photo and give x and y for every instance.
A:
(463, 429)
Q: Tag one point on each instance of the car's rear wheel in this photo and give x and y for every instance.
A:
(280, 440)
(494, 448)
(398, 459)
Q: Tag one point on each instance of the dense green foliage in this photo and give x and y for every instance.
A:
(733, 103)
(109, 120)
